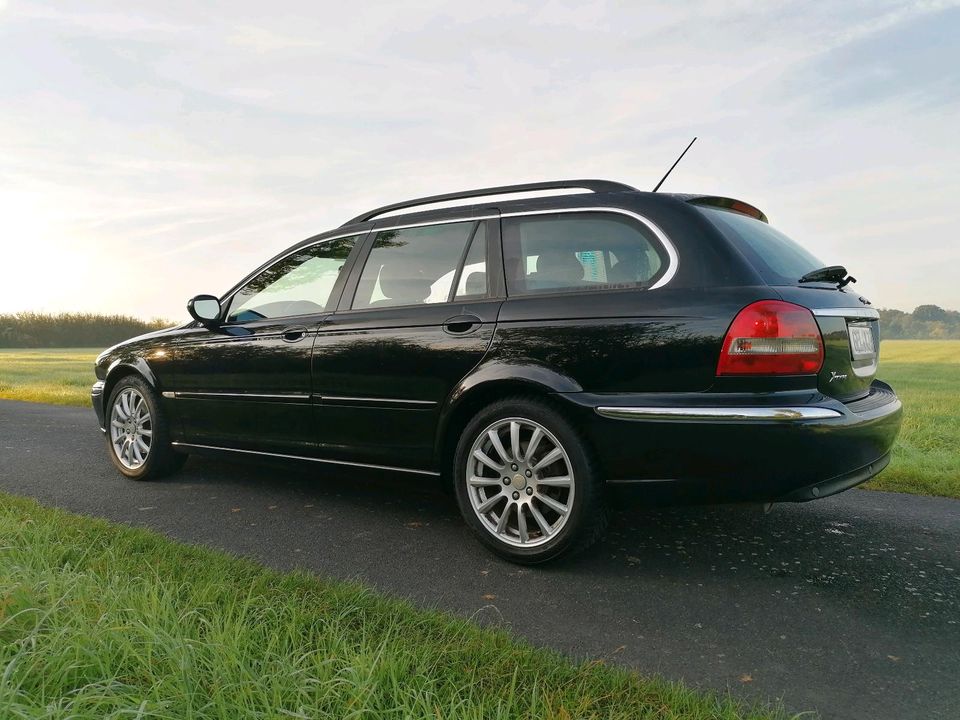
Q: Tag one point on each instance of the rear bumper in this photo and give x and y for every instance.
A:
(97, 399)
(764, 447)
(826, 488)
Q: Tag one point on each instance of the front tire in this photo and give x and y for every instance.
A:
(526, 482)
(138, 435)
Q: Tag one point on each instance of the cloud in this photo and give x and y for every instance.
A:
(904, 55)
(176, 147)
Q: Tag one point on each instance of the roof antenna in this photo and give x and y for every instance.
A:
(674, 165)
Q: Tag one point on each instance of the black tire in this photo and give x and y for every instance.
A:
(586, 518)
(161, 459)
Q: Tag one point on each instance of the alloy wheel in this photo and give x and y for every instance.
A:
(520, 482)
(131, 428)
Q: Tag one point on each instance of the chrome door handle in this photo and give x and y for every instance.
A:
(293, 334)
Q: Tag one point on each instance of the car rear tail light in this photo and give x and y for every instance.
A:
(772, 337)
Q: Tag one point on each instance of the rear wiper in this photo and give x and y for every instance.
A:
(832, 273)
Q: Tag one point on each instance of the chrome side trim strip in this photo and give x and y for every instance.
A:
(673, 257)
(257, 396)
(311, 459)
(848, 312)
(723, 414)
(345, 398)
(294, 396)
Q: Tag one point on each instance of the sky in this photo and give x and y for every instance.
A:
(153, 151)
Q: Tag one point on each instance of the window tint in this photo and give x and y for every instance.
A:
(412, 266)
(299, 284)
(579, 252)
(778, 259)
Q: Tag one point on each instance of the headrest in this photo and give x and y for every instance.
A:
(476, 283)
(559, 266)
(404, 285)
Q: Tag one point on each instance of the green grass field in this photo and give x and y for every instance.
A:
(61, 376)
(925, 373)
(105, 621)
(926, 376)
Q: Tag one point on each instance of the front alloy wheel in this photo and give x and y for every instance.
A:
(131, 428)
(526, 482)
(138, 433)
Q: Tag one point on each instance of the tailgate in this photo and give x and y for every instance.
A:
(851, 347)
(851, 339)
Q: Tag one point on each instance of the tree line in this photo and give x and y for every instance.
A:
(43, 330)
(36, 330)
(926, 322)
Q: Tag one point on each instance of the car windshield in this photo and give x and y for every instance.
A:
(778, 259)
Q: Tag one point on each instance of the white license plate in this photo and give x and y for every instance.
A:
(861, 341)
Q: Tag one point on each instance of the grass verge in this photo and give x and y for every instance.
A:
(105, 621)
(925, 373)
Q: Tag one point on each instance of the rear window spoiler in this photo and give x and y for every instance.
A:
(728, 204)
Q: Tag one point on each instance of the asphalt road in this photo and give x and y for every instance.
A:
(849, 605)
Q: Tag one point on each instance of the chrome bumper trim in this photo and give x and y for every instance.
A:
(723, 414)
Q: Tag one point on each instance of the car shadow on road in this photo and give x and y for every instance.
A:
(830, 547)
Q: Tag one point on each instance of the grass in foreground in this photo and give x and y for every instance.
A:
(925, 373)
(104, 621)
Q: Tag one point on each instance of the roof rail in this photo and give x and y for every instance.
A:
(596, 186)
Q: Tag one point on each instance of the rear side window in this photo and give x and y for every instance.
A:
(579, 252)
(778, 259)
(413, 266)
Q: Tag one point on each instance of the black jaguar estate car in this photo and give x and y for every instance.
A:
(527, 351)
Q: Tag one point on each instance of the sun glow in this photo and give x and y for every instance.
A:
(46, 265)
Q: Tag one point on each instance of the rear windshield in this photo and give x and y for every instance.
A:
(777, 258)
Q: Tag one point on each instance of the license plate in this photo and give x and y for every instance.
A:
(861, 341)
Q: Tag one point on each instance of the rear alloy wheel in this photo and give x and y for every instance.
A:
(525, 483)
(137, 433)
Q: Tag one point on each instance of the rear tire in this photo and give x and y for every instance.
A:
(138, 433)
(526, 482)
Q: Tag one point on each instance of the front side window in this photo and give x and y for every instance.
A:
(299, 284)
(579, 252)
(414, 266)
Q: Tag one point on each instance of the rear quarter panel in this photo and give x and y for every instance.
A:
(623, 341)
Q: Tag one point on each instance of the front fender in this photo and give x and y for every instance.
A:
(122, 365)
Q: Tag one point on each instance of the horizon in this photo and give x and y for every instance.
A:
(157, 153)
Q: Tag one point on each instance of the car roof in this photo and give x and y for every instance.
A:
(597, 187)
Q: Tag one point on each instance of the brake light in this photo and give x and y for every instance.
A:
(772, 337)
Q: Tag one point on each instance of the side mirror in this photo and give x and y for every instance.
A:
(205, 309)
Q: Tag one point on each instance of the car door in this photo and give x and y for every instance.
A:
(418, 314)
(246, 383)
